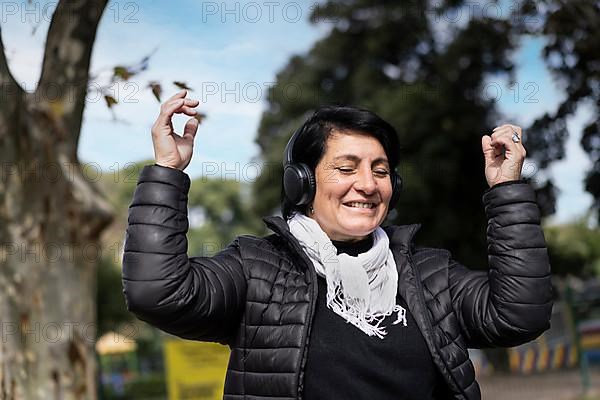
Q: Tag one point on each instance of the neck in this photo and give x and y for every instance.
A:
(353, 247)
(353, 240)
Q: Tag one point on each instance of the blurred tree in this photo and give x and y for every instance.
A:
(53, 215)
(570, 30)
(574, 249)
(118, 186)
(224, 212)
(111, 308)
(426, 76)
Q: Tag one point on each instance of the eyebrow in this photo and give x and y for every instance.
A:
(353, 157)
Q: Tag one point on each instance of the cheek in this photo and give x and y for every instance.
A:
(386, 191)
(333, 190)
(334, 195)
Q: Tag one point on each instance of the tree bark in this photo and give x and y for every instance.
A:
(51, 217)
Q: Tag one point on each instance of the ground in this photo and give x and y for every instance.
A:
(546, 386)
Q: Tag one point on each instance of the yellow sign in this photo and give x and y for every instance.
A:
(195, 370)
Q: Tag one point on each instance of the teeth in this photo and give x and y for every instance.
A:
(361, 205)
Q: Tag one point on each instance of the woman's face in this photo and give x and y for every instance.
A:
(353, 169)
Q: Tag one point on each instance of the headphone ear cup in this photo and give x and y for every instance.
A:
(298, 183)
(396, 190)
(309, 185)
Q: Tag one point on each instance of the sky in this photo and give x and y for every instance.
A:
(229, 53)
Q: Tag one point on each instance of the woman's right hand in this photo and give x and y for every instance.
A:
(170, 149)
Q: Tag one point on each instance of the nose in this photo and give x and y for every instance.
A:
(365, 181)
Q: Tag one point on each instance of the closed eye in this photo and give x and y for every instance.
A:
(381, 172)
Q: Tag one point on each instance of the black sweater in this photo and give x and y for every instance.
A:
(345, 363)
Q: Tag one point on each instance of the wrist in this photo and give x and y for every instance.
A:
(504, 181)
(160, 164)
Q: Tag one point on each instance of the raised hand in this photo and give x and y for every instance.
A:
(503, 157)
(170, 149)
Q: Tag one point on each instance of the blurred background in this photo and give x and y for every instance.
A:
(81, 84)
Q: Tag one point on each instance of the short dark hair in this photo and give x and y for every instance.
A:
(310, 145)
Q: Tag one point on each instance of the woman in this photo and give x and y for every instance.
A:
(332, 305)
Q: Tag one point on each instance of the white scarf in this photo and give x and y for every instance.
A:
(361, 289)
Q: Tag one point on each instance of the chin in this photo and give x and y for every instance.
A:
(360, 229)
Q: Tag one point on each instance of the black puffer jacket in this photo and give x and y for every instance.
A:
(258, 294)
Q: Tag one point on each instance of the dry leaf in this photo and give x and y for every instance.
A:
(122, 72)
(200, 117)
(110, 101)
(156, 89)
(182, 85)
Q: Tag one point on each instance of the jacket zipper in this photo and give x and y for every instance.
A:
(312, 274)
(311, 312)
(421, 296)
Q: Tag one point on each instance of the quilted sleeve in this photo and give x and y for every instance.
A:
(510, 304)
(197, 298)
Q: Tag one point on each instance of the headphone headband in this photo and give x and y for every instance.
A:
(289, 147)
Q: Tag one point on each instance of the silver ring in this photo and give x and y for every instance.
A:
(515, 137)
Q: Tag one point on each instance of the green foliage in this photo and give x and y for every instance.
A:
(574, 249)
(111, 308)
(118, 186)
(570, 30)
(227, 215)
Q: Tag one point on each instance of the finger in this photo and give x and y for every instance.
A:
(192, 102)
(515, 127)
(175, 107)
(167, 111)
(499, 143)
(509, 128)
(190, 129)
(186, 110)
(504, 131)
(187, 107)
(499, 127)
(488, 149)
(505, 141)
(186, 102)
(500, 130)
(497, 149)
(178, 95)
(508, 132)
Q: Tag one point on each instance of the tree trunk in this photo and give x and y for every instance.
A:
(51, 218)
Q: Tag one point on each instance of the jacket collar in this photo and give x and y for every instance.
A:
(400, 236)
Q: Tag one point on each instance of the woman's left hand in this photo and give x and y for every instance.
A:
(503, 157)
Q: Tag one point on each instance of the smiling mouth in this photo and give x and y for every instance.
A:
(360, 205)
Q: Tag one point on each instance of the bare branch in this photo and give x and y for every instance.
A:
(65, 70)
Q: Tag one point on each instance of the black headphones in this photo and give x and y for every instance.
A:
(299, 182)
